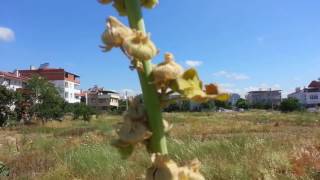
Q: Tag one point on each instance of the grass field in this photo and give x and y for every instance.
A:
(249, 145)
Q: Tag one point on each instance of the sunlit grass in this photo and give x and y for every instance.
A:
(249, 145)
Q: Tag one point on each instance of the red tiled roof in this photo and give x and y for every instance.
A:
(314, 84)
(13, 76)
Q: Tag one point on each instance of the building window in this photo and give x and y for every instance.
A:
(66, 95)
(313, 96)
(66, 84)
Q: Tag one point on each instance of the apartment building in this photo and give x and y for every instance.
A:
(264, 98)
(12, 80)
(102, 99)
(67, 83)
(308, 97)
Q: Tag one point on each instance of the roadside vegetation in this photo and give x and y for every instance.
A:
(248, 145)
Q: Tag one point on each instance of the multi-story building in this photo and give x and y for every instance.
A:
(68, 84)
(264, 98)
(308, 97)
(102, 99)
(12, 80)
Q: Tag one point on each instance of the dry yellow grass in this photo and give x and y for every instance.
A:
(249, 145)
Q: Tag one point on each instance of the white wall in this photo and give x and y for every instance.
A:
(12, 84)
(313, 98)
(67, 90)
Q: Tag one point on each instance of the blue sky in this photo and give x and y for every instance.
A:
(242, 45)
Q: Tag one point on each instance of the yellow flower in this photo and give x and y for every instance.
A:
(139, 46)
(190, 86)
(166, 71)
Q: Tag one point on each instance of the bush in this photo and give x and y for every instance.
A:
(242, 103)
(290, 104)
(83, 110)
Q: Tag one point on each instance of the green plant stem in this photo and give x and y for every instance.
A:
(151, 100)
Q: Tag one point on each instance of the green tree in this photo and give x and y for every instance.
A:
(45, 98)
(242, 103)
(290, 104)
(7, 99)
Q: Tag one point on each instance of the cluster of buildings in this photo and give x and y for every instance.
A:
(67, 84)
(308, 96)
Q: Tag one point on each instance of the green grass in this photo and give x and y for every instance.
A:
(249, 145)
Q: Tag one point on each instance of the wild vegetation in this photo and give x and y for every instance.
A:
(39, 100)
(248, 145)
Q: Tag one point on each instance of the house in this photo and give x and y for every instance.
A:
(12, 80)
(102, 99)
(68, 84)
(264, 98)
(308, 97)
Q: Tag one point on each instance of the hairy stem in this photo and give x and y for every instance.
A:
(150, 96)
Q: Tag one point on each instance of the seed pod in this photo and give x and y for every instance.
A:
(105, 1)
(139, 46)
(120, 6)
(149, 3)
(114, 34)
(166, 71)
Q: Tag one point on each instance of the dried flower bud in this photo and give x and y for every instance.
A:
(105, 1)
(167, 126)
(139, 46)
(115, 33)
(166, 71)
(149, 3)
(191, 171)
(163, 168)
(133, 132)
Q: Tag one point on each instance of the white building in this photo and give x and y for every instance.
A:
(13, 80)
(68, 84)
(309, 96)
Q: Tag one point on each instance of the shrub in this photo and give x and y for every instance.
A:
(242, 103)
(290, 104)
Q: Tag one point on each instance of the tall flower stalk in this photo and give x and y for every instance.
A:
(143, 121)
(150, 96)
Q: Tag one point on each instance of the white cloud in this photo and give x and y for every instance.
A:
(193, 63)
(231, 75)
(6, 34)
